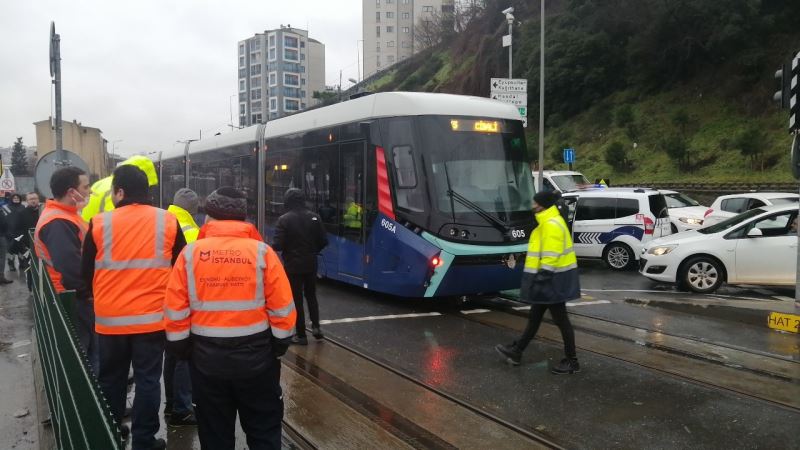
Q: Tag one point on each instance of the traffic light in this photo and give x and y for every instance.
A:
(781, 96)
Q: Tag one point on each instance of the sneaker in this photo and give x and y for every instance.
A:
(317, 333)
(299, 340)
(567, 366)
(178, 420)
(513, 356)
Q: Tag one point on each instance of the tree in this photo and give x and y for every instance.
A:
(617, 157)
(623, 116)
(325, 97)
(751, 143)
(19, 159)
(676, 148)
(681, 119)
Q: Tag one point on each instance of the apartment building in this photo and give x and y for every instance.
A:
(279, 70)
(389, 29)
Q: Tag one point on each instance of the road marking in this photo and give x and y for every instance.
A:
(370, 318)
(783, 298)
(577, 303)
(648, 291)
(20, 344)
(475, 311)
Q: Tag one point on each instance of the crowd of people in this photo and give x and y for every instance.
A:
(210, 308)
(18, 214)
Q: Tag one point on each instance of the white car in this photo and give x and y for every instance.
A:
(727, 206)
(758, 246)
(561, 180)
(685, 213)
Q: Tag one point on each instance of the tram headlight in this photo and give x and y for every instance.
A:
(464, 234)
(453, 232)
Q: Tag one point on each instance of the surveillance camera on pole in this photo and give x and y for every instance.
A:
(507, 40)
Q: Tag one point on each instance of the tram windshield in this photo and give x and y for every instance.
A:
(479, 167)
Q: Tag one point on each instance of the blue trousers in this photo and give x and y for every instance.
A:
(146, 352)
(177, 385)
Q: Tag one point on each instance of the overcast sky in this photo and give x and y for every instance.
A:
(149, 72)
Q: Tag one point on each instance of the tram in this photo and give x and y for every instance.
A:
(422, 195)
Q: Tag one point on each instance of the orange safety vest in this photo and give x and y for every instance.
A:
(131, 268)
(54, 210)
(228, 285)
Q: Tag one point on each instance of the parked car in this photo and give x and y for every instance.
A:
(561, 180)
(614, 223)
(685, 213)
(758, 246)
(727, 206)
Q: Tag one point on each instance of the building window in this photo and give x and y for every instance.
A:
(273, 78)
(255, 106)
(256, 118)
(406, 15)
(291, 79)
(272, 40)
(378, 31)
(291, 55)
(378, 3)
(406, 29)
(255, 44)
(302, 56)
(273, 103)
(292, 92)
(255, 58)
(255, 94)
(255, 69)
(291, 41)
(405, 2)
(378, 16)
(272, 54)
(241, 86)
(390, 44)
(427, 9)
(303, 81)
(241, 49)
(378, 60)
(255, 82)
(241, 61)
(389, 2)
(377, 46)
(241, 109)
(390, 29)
(389, 15)
(291, 105)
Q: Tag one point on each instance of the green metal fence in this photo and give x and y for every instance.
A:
(80, 415)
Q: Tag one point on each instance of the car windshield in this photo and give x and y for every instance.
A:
(732, 222)
(678, 200)
(569, 182)
(784, 200)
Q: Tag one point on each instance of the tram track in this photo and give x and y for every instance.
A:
(690, 359)
(407, 429)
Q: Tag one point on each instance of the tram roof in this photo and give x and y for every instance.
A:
(384, 104)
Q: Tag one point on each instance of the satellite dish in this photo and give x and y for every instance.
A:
(49, 163)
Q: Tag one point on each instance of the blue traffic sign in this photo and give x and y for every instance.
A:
(569, 155)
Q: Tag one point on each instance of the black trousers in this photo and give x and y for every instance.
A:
(304, 283)
(559, 313)
(257, 399)
(146, 352)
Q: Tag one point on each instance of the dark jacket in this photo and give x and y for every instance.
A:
(61, 237)
(299, 235)
(23, 221)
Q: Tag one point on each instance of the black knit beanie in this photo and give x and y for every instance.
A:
(226, 203)
(546, 199)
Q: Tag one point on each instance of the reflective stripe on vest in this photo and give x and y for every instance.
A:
(117, 321)
(203, 330)
(186, 228)
(156, 262)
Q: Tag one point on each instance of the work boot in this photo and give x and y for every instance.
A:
(512, 354)
(317, 333)
(299, 340)
(11, 267)
(125, 432)
(177, 420)
(567, 366)
(5, 281)
(159, 444)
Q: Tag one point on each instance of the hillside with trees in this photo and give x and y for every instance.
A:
(644, 90)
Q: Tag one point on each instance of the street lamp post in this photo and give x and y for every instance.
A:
(358, 58)
(114, 152)
(230, 109)
(541, 103)
(510, 19)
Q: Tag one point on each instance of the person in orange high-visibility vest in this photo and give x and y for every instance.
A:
(127, 257)
(57, 241)
(229, 310)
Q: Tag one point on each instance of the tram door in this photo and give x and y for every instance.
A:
(351, 240)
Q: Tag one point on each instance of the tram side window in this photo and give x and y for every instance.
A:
(280, 173)
(319, 183)
(406, 179)
(172, 179)
(235, 166)
(352, 186)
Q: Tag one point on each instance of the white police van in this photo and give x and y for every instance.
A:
(614, 223)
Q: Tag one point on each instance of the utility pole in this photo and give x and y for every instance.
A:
(541, 104)
(55, 74)
(340, 85)
(510, 19)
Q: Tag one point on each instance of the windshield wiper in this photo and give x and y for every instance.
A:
(497, 223)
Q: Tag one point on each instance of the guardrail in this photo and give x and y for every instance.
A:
(80, 415)
(721, 188)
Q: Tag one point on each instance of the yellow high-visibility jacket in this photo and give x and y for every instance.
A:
(188, 225)
(100, 199)
(551, 268)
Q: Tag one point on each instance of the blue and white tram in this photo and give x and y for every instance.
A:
(422, 195)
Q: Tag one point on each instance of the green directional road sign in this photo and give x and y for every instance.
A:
(523, 111)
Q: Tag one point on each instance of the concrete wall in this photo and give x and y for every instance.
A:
(86, 142)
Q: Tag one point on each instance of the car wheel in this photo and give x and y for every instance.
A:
(619, 256)
(702, 274)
